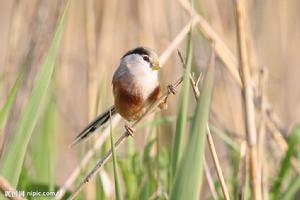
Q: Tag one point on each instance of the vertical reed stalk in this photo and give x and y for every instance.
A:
(262, 133)
(248, 104)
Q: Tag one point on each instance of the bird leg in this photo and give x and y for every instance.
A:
(129, 130)
(163, 105)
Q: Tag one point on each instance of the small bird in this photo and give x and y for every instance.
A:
(135, 87)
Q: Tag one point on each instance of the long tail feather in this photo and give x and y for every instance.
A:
(93, 125)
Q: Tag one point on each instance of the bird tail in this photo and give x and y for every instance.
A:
(93, 125)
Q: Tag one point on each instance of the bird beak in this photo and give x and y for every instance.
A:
(156, 65)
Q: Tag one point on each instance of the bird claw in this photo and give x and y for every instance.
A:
(129, 130)
(163, 105)
(171, 89)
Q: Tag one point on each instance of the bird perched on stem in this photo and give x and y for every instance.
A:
(135, 87)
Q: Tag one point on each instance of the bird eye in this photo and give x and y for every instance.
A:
(146, 58)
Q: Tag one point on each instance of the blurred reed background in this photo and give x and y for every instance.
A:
(96, 34)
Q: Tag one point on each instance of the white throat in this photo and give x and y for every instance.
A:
(138, 74)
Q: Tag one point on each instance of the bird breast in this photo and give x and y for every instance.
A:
(132, 93)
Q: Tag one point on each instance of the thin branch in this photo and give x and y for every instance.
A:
(194, 83)
(210, 181)
(122, 138)
(177, 40)
(217, 164)
(87, 157)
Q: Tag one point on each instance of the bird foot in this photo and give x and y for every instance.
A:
(129, 130)
(171, 89)
(163, 105)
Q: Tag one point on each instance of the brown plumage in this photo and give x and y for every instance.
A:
(135, 87)
(130, 104)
